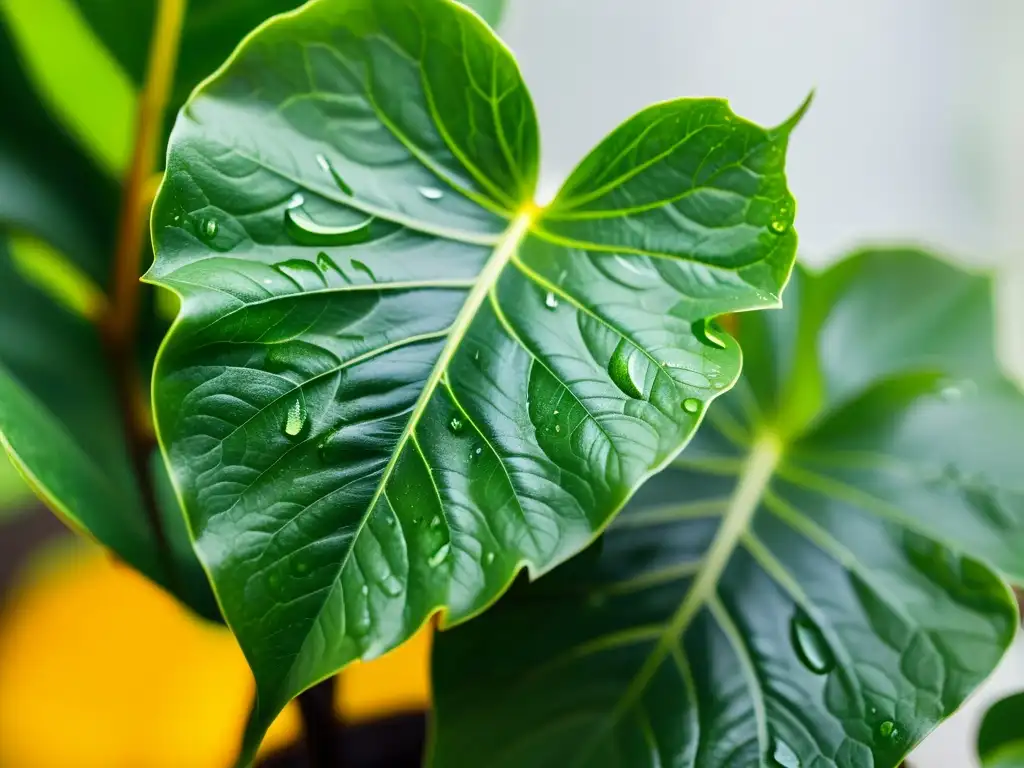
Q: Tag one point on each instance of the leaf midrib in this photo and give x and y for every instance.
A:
(765, 455)
(488, 277)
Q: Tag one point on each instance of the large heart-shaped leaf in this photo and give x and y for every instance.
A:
(803, 588)
(395, 380)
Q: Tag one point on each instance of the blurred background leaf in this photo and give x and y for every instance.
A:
(1001, 736)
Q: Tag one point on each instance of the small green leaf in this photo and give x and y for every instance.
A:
(805, 586)
(1001, 737)
(396, 381)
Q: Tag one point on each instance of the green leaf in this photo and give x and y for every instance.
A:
(47, 187)
(395, 381)
(61, 427)
(212, 29)
(1001, 737)
(805, 586)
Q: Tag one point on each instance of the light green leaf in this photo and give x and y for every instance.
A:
(805, 586)
(1001, 737)
(395, 381)
(75, 75)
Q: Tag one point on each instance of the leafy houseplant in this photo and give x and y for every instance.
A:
(395, 381)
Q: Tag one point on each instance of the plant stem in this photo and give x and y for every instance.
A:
(133, 221)
(322, 729)
(121, 322)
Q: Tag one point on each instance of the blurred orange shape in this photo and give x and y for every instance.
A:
(101, 669)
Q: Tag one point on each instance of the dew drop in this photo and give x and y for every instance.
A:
(360, 266)
(782, 755)
(550, 301)
(476, 453)
(489, 558)
(208, 229)
(296, 200)
(439, 557)
(391, 522)
(558, 427)
(435, 521)
(417, 520)
(810, 645)
(691, 405)
(431, 193)
(891, 732)
(476, 356)
(627, 370)
(329, 168)
(707, 333)
(326, 264)
(455, 425)
(296, 418)
(304, 231)
(782, 219)
(718, 385)
(365, 590)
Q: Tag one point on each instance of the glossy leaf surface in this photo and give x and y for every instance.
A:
(1001, 737)
(805, 586)
(395, 382)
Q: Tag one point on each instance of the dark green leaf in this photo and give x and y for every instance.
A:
(1001, 738)
(60, 425)
(395, 381)
(805, 586)
(47, 187)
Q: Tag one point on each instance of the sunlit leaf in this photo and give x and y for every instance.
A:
(805, 586)
(396, 381)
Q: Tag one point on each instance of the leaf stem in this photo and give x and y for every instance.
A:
(121, 322)
(321, 728)
(133, 221)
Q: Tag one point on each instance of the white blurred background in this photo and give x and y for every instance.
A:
(916, 135)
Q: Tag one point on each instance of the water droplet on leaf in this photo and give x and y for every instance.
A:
(304, 231)
(691, 405)
(627, 369)
(329, 168)
(431, 193)
(489, 558)
(208, 229)
(296, 418)
(361, 267)
(782, 219)
(810, 644)
(439, 557)
(550, 301)
(782, 755)
(455, 425)
(435, 521)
